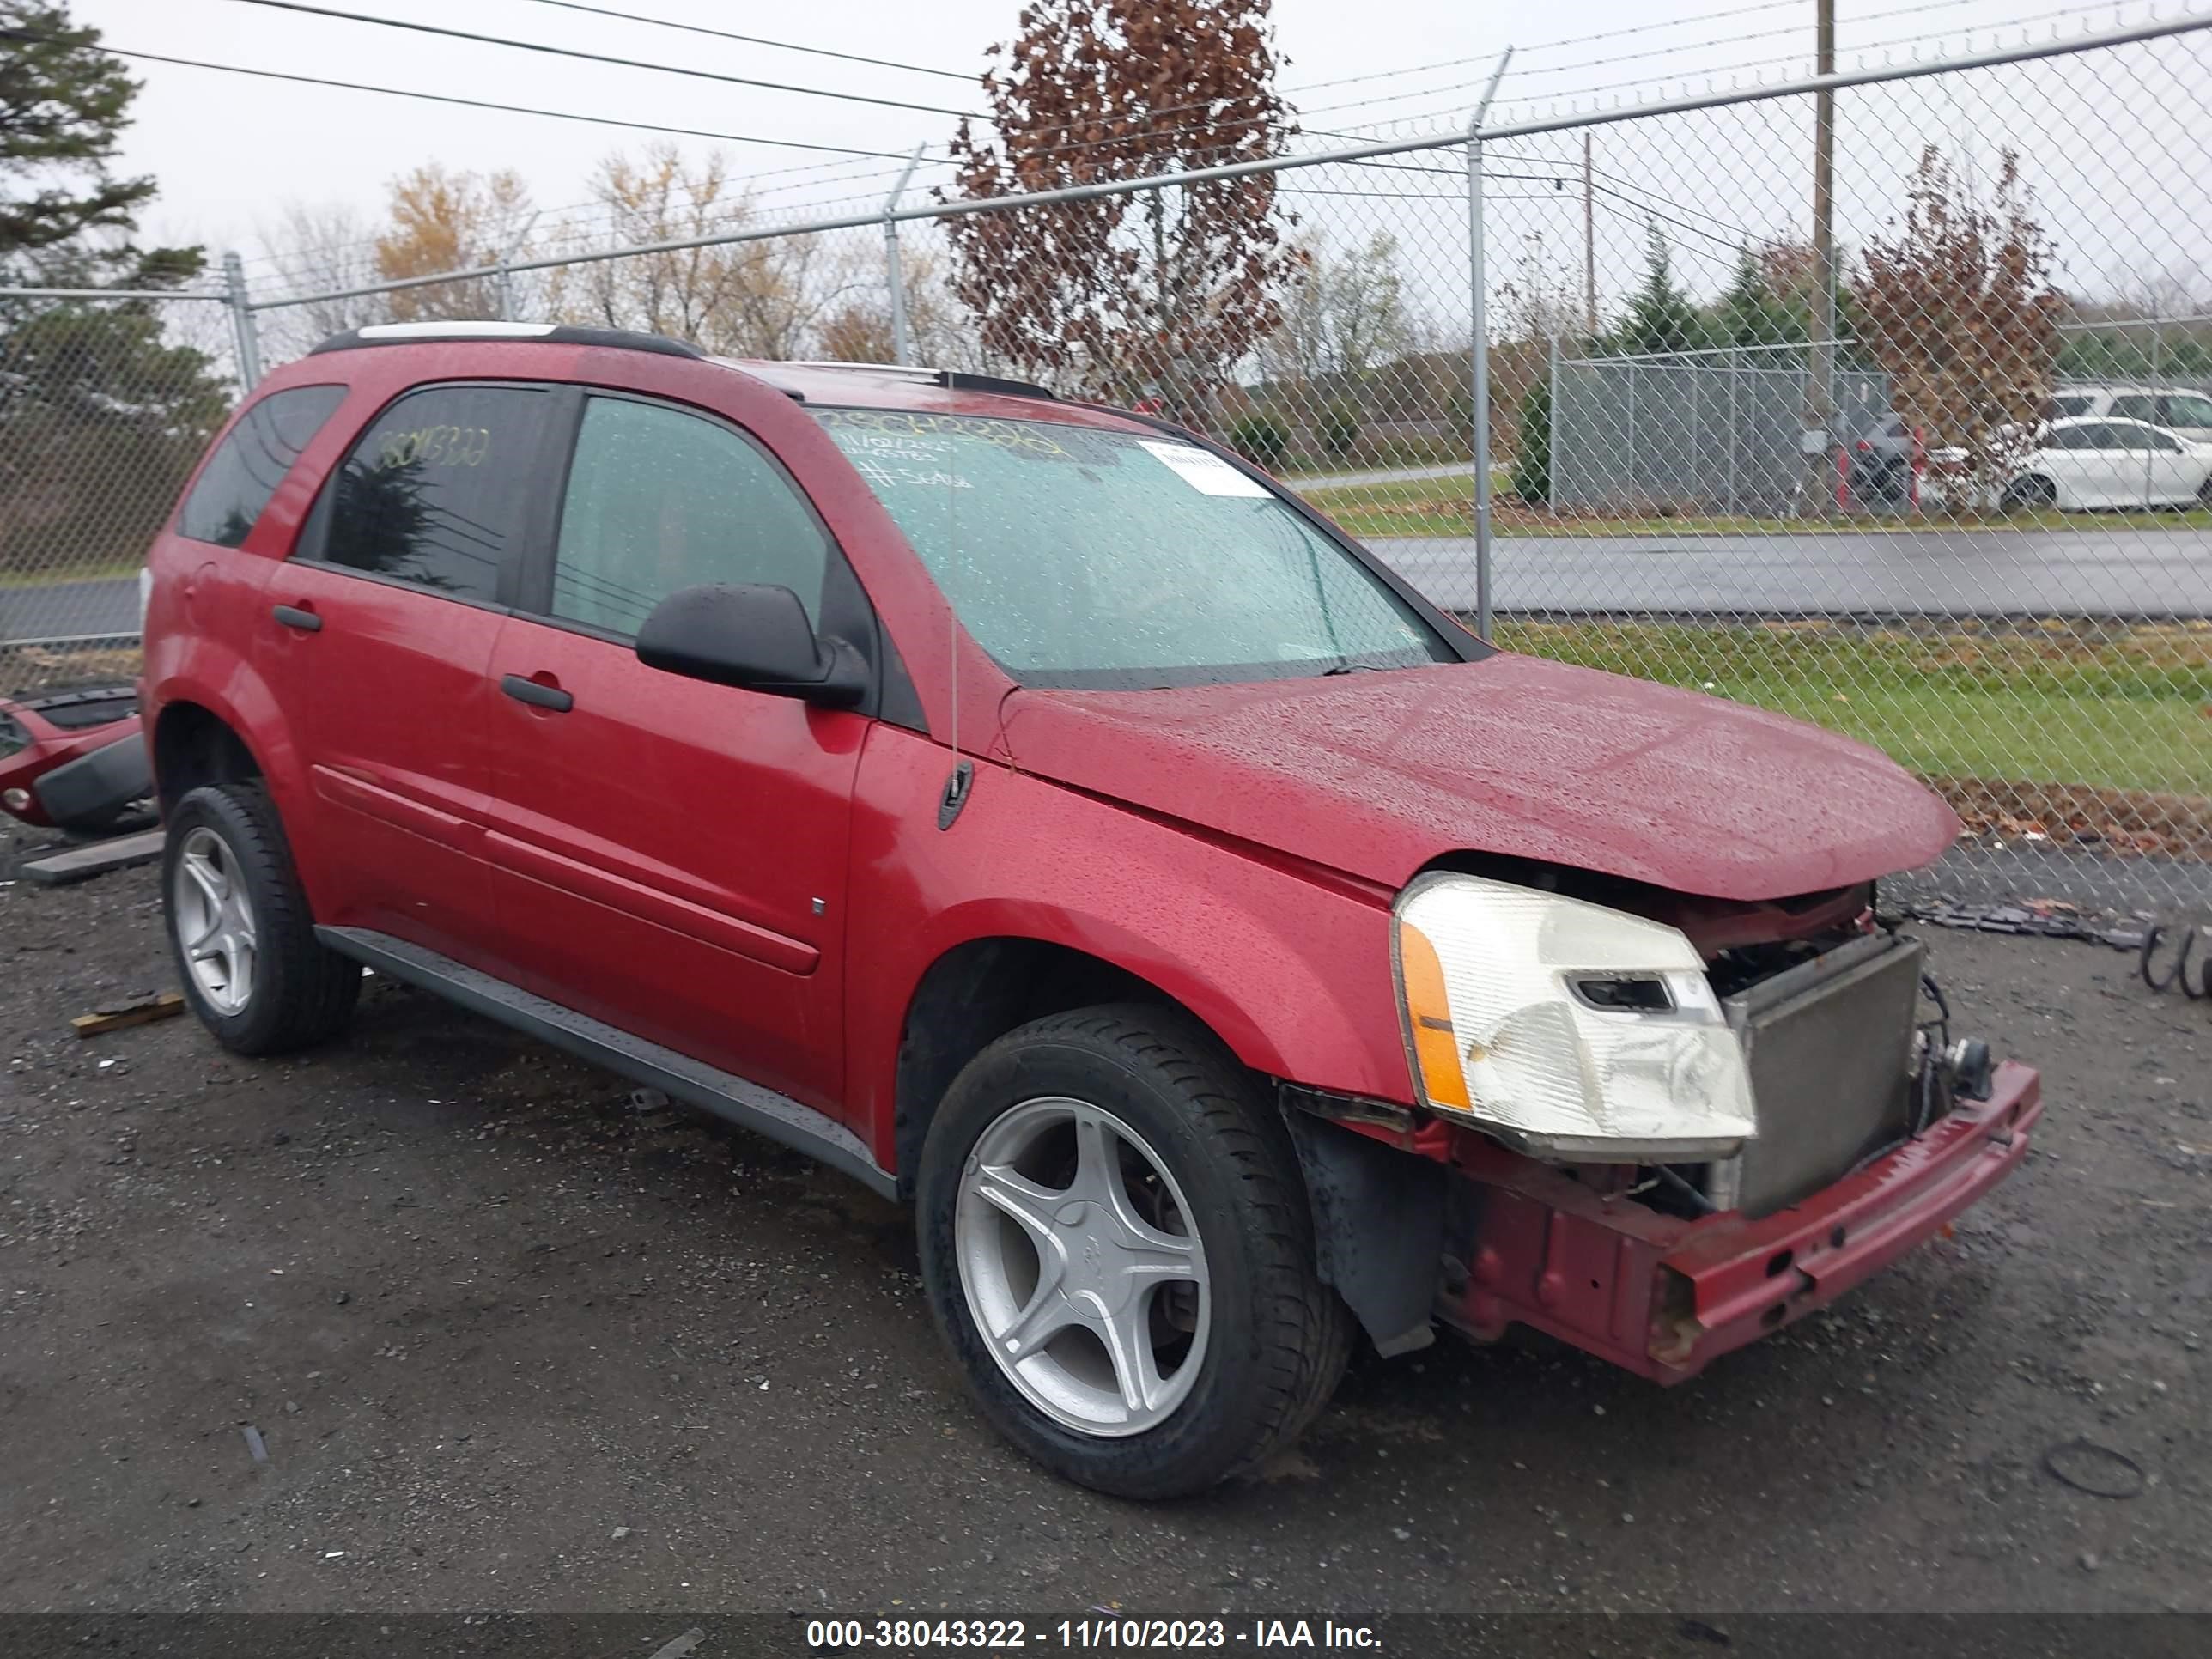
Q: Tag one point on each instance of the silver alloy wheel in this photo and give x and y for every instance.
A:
(1082, 1266)
(213, 920)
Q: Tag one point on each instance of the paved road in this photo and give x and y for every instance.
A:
(1981, 572)
(66, 610)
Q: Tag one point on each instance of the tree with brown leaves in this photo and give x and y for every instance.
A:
(1959, 310)
(1154, 294)
(444, 221)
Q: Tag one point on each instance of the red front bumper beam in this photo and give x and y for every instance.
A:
(1664, 1297)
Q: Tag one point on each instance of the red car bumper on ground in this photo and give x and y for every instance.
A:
(72, 759)
(1664, 1297)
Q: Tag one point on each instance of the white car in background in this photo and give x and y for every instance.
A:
(2185, 412)
(2109, 462)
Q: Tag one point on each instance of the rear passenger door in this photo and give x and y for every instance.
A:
(670, 854)
(375, 635)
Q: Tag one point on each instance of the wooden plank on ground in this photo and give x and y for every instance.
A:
(134, 1013)
(79, 863)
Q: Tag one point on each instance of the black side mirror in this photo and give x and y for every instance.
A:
(750, 634)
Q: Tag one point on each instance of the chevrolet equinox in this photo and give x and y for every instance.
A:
(1035, 812)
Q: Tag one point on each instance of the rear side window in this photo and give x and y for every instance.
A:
(14, 739)
(252, 460)
(437, 491)
(2095, 434)
(659, 500)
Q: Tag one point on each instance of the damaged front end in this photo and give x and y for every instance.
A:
(1656, 1166)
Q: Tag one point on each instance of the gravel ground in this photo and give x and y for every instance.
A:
(511, 1342)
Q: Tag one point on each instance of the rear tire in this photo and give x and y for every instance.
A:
(240, 928)
(1252, 1342)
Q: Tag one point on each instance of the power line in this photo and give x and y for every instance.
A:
(1710, 74)
(604, 58)
(755, 40)
(1792, 29)
(1670, 23)
(1643, 215)
(472, 103)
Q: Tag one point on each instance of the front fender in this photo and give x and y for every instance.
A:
(1290, 968)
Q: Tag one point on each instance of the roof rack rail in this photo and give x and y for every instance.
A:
(621, 339)
(953, 380)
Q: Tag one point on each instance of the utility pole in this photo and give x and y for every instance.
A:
(1820, 398)
(1590, 244)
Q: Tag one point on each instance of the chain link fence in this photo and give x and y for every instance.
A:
(1883, 402)
(105, 405)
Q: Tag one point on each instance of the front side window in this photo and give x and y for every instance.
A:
(2133, 407)
(2190, 411)
(659, 500)
(437, 491)
(1081, 557)
(252, 459)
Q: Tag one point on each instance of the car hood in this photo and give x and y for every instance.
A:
(1377, 774)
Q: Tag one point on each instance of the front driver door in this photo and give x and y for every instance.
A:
(671, 853)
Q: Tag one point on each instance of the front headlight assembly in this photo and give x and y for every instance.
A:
(1565, 1029)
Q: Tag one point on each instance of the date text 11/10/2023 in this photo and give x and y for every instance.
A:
(910, 1634)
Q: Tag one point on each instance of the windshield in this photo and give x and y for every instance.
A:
(1078, 557)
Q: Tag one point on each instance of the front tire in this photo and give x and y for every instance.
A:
(1116, 1244)
(2034, 494)
(240, 928)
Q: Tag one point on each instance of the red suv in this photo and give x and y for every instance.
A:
(1032, 810)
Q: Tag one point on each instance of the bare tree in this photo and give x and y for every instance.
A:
(766, 298)
(1155, 295)
(1346, 316)
(1958, 309)
(317, 248)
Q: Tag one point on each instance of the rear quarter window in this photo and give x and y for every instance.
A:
(252, 461)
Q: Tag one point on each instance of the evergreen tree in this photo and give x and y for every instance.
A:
(63, 104)
(1660, 317)
(1750, 313)
(103, 408)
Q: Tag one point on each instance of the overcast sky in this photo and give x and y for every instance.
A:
(230, 150)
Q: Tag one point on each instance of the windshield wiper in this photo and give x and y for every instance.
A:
(1354, 668)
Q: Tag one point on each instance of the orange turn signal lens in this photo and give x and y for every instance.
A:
(1428, 1018)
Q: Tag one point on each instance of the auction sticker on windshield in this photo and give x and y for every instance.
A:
(1204, 471)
